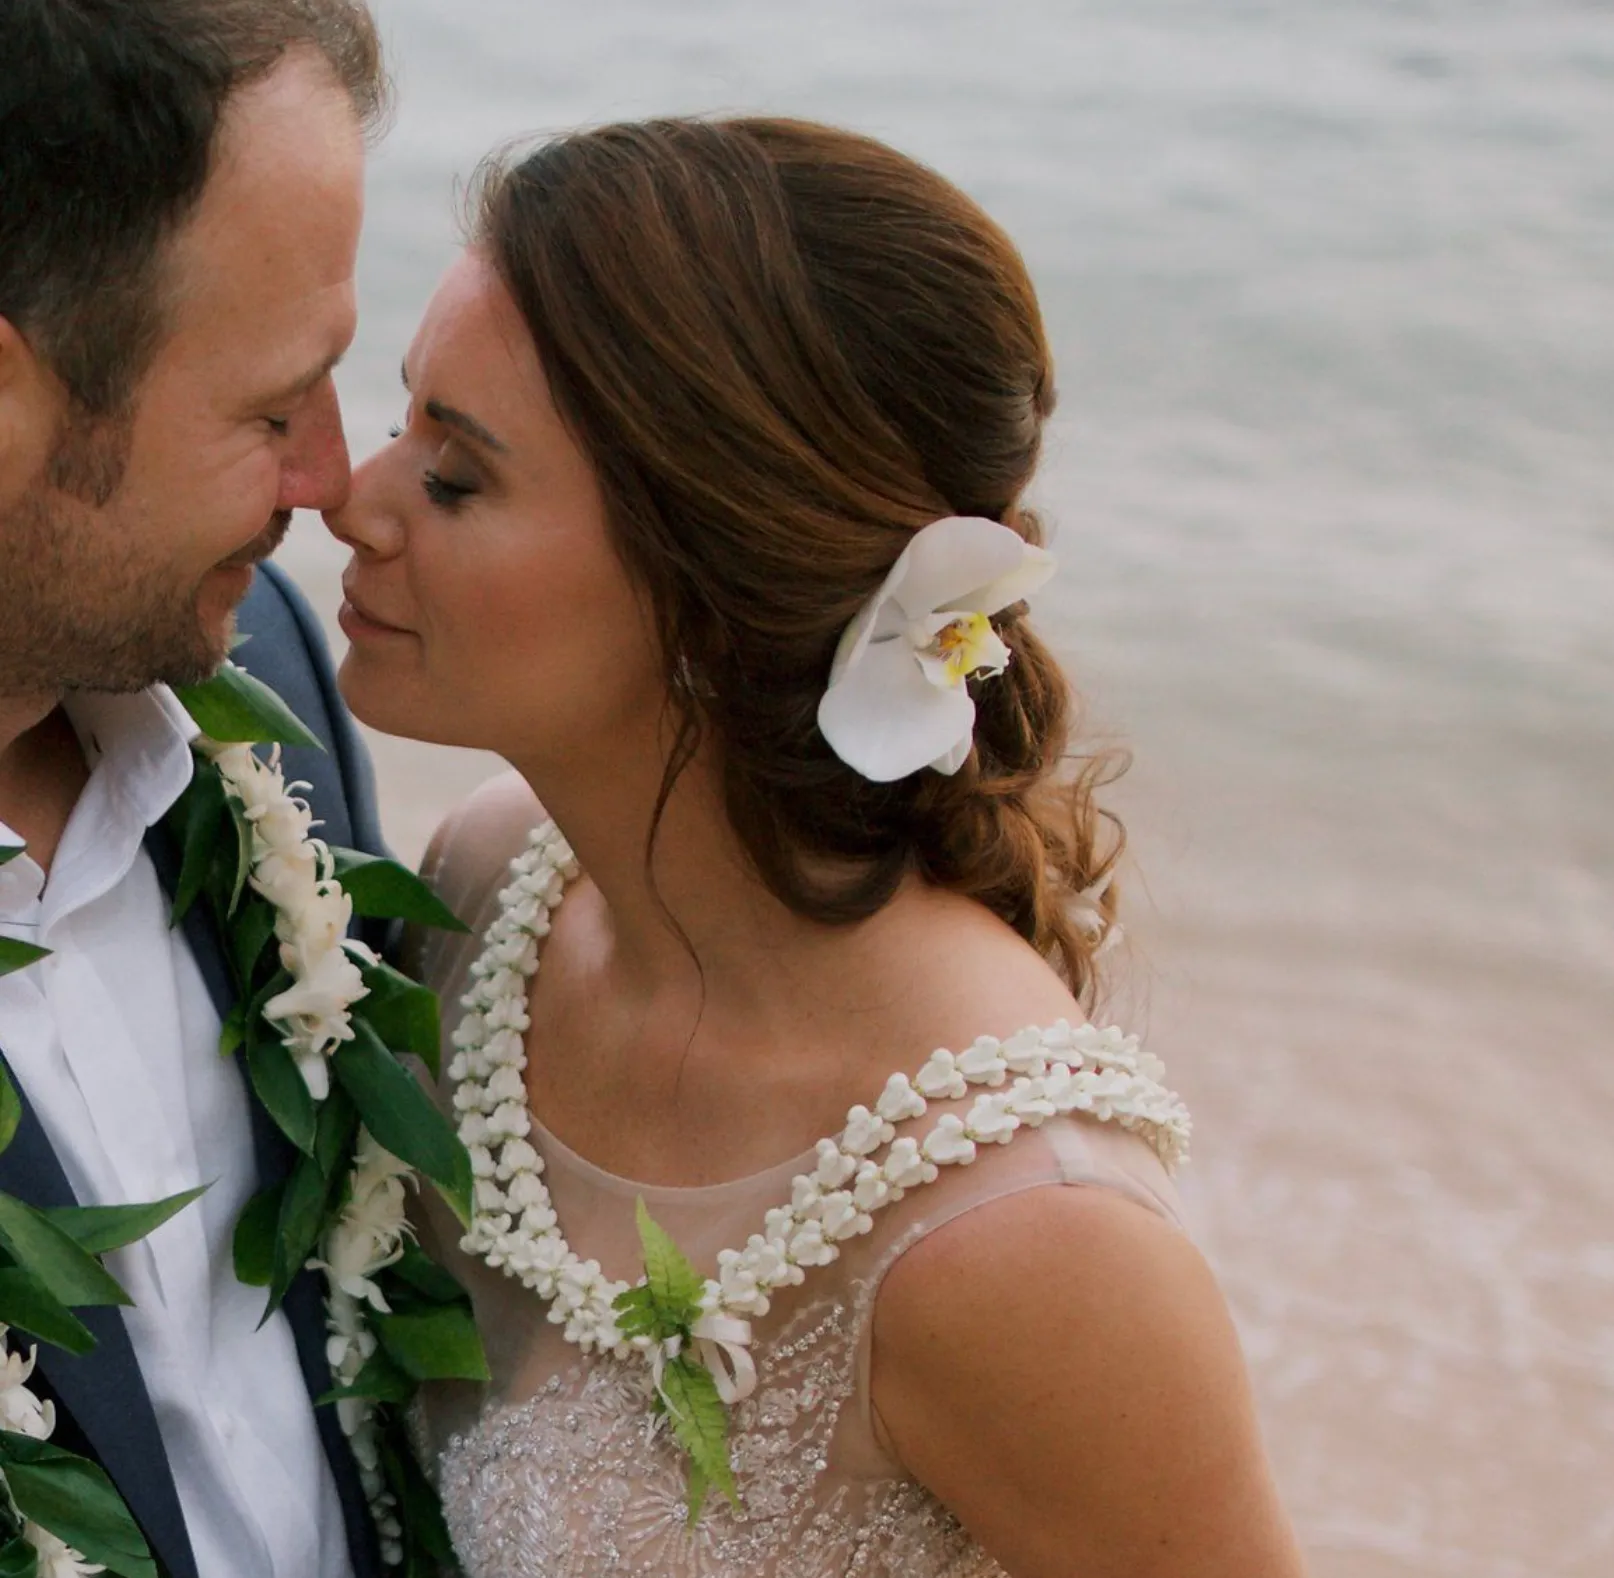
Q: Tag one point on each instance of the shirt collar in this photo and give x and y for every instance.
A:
(138, 750)
(142, 742)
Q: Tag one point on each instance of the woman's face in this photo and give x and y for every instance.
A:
(485, 604)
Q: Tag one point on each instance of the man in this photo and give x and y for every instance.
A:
(180, 193)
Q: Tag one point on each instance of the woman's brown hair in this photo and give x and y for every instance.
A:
(785, 348)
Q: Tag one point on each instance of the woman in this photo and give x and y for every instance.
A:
(706, 516)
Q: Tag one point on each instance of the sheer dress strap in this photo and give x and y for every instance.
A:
(1077, 1151)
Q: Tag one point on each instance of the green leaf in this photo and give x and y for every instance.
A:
(401, 1116)
(40, 1247)
(242, 865)
(695, 1495)
(423, 1278)
(673, 1283)
(380, 1380)
(26, 1303)
(233, 707)
(383, 888)
(9, 852)
(422, 1513)
(75, 1500)
(403, 1013)
(335, 1134)
(257, 1230)
(201, 813)
(434, 1345)
(701, 1424)
(18, 1559)
(253, 926)
(97, 1229)
(636, 1313)
(10, 1108)
(281, 1089)
(303, 1210)
(233, 1032)
(16, 955)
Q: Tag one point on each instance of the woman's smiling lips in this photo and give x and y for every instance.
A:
(359, 623)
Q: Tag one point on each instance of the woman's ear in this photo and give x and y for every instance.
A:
(32, 405)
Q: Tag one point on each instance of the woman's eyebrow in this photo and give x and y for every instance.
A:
(459, 420)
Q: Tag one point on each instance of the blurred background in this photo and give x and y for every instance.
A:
(1331, 288)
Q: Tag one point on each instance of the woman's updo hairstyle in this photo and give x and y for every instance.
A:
(786, 348)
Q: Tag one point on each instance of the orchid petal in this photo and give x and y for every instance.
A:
(1036, 566)
(952, 560)
(884, 719)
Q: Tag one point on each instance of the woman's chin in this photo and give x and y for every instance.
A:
(376, 699)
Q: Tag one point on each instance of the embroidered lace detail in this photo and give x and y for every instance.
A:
(579, 1480)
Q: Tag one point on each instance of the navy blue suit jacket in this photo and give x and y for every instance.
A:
(103, 1408)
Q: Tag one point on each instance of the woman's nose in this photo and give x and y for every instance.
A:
(362, 520)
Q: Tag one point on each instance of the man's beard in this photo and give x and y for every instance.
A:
(80, 611)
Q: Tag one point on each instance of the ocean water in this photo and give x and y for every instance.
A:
(1332, 292)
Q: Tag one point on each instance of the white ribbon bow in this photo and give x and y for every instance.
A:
(722, 1345)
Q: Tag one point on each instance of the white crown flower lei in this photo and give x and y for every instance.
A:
(692, 1332)
(321, 1022)
(898, 698)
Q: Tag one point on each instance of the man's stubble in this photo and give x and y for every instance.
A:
(81, 607)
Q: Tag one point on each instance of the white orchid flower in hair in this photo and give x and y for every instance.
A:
(897, 699)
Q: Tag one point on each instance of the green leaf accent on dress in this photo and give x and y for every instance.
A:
(664, 1307)
(674, 1285)
(700, 1423)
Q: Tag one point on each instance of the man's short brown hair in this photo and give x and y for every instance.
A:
(109, 114)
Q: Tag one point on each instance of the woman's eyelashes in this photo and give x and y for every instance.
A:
(443, 492)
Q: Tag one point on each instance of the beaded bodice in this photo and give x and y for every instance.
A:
(558, 1469)
(572, 1481)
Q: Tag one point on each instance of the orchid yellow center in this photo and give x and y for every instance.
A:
(967, 645)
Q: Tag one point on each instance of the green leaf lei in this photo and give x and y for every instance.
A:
(413, 1321)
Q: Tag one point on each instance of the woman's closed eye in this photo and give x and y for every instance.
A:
(444, 492)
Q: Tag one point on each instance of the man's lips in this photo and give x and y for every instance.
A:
(261, 547)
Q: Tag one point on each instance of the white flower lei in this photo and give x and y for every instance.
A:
(23, 1412)
(1030, 1077)
(293, 871)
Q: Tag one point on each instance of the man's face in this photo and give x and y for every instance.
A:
(235, 424)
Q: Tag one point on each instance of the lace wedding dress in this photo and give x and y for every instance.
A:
(558, 1469)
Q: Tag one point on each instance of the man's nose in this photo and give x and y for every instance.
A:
(316, 474)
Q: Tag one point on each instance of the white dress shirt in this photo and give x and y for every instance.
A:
(114, 1038)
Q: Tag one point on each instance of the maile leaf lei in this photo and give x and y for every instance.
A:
(59, 1513)
(664, 1308)
(321, 1024)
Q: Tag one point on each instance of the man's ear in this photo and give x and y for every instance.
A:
(32, 403)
